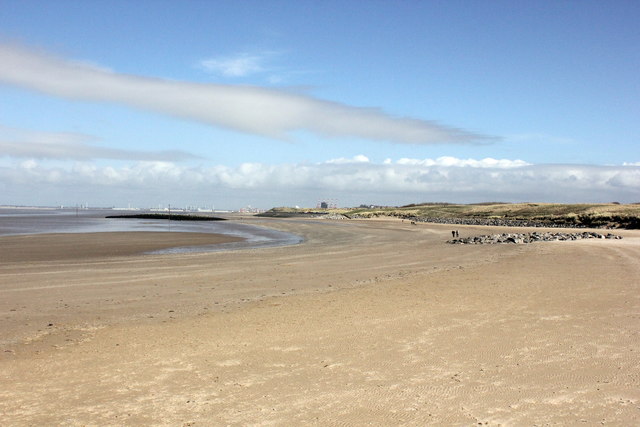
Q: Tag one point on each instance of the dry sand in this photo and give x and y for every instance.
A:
(366, 323)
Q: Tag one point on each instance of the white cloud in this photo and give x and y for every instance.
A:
(487, 162)
(239, 65)
(261, 111)
(352, 182)
(251, 64)
(29, 164)
(355, 159)
(23, 143)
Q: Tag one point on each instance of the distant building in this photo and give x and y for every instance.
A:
(327, 204)
(250, 209)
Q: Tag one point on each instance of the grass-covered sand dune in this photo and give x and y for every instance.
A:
(612, 215)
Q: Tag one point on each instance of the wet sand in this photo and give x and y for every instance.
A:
(81, 246)
(367, 322)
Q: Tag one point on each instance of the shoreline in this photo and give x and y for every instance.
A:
(368, 321)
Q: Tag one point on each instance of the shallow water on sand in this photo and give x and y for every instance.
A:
(40, 221)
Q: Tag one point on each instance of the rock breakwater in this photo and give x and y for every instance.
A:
(499, 222)
(529, 238)
(561, 221)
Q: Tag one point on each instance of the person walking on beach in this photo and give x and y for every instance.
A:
(453, 234)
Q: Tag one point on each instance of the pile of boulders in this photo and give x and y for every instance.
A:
(497, 222)
(529, 238)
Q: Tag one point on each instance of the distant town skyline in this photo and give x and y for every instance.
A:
(287, 103)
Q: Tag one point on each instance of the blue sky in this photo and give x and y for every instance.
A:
(270, 103)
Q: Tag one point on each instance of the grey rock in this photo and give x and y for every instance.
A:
(523, 238)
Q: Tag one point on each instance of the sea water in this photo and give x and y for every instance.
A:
(16, 221)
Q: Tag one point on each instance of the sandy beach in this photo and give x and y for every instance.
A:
(368, 322)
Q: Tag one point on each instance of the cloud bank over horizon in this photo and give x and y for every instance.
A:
(353, 181)
(249, 109)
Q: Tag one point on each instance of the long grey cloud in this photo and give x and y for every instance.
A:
(247, 109)
(23, 143)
